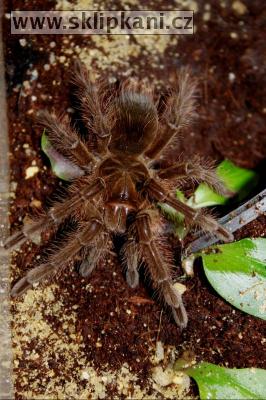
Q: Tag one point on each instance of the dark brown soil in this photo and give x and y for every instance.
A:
(226, 54)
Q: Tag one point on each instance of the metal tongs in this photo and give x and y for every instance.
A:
(233, 221)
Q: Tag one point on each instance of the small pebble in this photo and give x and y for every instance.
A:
(239, 7)
(231, 76)
(26, 84)
(233, 35)
(31, 171)
(62, 59)
(52, 58)
(159, 351)
(34, 74)
(85, 375)
(36, 203)
(22, 42)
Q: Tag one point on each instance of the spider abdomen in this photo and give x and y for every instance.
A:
(136, 123)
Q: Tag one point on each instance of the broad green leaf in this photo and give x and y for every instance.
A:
(176, 217)
(237, 271)
(61, 167)
(238, 180)
(216, 382)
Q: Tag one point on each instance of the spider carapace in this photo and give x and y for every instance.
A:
(123, 174)
(120, 173)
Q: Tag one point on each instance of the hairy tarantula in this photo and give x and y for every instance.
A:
(118, 181)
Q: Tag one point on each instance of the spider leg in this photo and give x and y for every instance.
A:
(92, 106)
(59, 258)
(131, 260)
(66, 140)
(157, 193)
(196, 171)
(179, 112)
(55, 215)
(158, 262)
(95, 253)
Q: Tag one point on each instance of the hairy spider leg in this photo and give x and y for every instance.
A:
(156, 258)
(56, 214)
(91, 101)
(89, 230)
(96, 250)
(179, 112)
(131, 259)
(66, 140)
(157, 193)
(196, 171)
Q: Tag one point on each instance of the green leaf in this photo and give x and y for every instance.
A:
(238, 180)
(237, 271)
(225, 383)
(61, 167)
(176, 217)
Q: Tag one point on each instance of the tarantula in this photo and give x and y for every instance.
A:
(118, 181)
